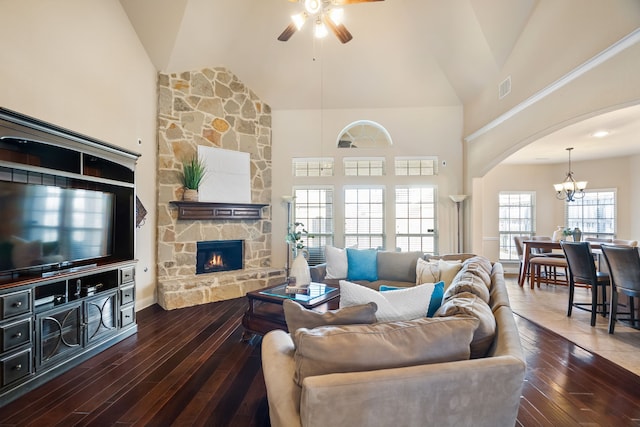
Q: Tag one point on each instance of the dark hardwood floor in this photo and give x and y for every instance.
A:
(189, 367)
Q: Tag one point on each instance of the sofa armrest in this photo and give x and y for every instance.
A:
(479, 392)
(278, 366)
(318, 272)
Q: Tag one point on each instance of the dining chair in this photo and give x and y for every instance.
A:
(624, 268)
(546, 252)
(582, 270)
(598, 240)
(520, 251)
(623, 242)
(544, 267)
(517, 240)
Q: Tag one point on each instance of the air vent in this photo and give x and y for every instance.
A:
(504, 88)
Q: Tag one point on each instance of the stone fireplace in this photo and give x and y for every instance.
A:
(219, 255)
(211, 107)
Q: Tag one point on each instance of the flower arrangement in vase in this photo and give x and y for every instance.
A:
(299, 267)
(294, 236)
(567, 235)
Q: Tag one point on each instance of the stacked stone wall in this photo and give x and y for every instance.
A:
(213, 108)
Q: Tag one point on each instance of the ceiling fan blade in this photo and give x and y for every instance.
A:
(339, 30)
(288, 32)
(343, 2)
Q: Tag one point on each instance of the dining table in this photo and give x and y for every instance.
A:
(546, 245)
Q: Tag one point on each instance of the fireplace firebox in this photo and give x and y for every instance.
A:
(219, 255)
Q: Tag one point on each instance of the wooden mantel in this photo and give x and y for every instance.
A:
(211, 210)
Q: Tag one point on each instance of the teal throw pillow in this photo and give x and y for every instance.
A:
(362, 264)
(435, 299)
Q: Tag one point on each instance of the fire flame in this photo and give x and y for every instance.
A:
(215, 261)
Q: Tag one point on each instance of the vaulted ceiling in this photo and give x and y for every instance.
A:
(405, 53)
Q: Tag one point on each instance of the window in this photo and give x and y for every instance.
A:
(363, 167)
(364, 217)
(416, 166)
(594, 214)
(415, 219)
(515, 218)
(313, 167)
(364, 134)
(314, 208)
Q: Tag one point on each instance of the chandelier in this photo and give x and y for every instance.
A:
(570, 189)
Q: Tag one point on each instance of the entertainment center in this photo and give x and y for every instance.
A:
(67, 244)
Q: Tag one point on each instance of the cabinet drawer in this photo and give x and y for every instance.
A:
(127, 295)
(127, 316)
(15, 334)
(15, 304)
(16, 366)
(127, 274)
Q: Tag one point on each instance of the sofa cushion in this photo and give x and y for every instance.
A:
(477, 270)
(427, 271)
(401, 304)
(298, 317)
(468, 283)
(480, 261)
(336, 262)
(435, 300)
(435, 270)
(498, 291)
(362, 264)
(448, 271)
(470, 305)
(353, 348)
(398, 266)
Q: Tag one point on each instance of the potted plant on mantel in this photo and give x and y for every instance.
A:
(194, 171)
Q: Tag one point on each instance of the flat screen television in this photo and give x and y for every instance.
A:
(46, 227)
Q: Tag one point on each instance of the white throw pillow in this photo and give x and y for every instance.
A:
(337, 265)
(427, 271)
(448, 271)
(401, 304)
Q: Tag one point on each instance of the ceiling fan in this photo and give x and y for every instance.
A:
(325, 14)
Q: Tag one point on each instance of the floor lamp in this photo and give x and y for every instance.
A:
(289, 202)
(458, 199)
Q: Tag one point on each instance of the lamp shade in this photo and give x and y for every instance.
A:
(458, 197)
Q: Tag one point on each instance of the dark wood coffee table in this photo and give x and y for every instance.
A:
(265, 311)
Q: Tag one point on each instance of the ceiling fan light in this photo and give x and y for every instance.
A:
(299, 19)
(312, 6)
(320, 30)
(336, 15)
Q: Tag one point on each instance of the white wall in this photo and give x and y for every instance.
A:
(611, 173)
(558, 37)
(414, 131)
(79, 64)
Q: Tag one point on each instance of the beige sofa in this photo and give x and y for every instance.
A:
(477, 392)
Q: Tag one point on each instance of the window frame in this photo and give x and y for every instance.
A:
(308, 164)
(506, 244)
(572, 223)
(351, 239)
(315, 246)
(422, 168)
(365, 166)
(432, 235)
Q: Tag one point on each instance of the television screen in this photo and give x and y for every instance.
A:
(44, 225)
